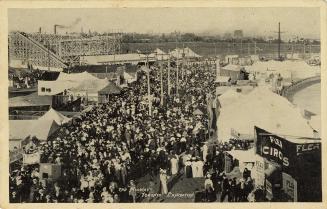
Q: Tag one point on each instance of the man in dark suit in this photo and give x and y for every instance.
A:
(226, 186)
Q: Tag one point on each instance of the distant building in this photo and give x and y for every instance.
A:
(227, 36)
(238, 34)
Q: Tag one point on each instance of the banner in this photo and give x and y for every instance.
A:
(283, 152)
(290, 186)
(29, 159)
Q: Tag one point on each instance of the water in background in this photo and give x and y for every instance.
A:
(309, 98)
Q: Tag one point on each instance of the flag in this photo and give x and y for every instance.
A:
(29, 159)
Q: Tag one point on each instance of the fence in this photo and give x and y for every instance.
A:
(23, 117)
(289, 91)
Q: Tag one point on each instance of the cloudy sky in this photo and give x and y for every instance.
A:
(302, 22)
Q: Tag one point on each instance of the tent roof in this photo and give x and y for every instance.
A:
(232, 67)
(159, 51)
(264, 109)
(30, 100)
(222, 79)
(197, 112)
(315, 123)
(54, 115)
(111, 88)
(229, 97)
(243, 155)
(76, 76)
(42, 129)
(128, 76)
(178, 52)
(91, 86)
(295, 68)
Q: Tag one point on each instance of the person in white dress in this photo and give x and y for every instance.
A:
(199, 165)
(174, 165)
(194, 168)
(163, 181)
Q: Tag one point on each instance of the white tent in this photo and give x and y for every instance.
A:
(41, 129)
(159, 54)
(129, 77)
(315, 123)
(229, 97)
(89, 87)
(76, 76)
(178, 53)
(246, 158)
(264, 109)
(66, 81)
(56, 116)
(55, 87)
(288, 69)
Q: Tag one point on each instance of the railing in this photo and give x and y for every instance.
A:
(289, 91)
(23, 117)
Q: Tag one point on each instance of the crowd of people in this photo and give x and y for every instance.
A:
(106, 150)
(25, 79)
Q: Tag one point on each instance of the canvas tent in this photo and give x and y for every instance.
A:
(89, 88)
(104, 94)
(229, 97)
(288, 69)
(263, 108)
(41, 129)
(222, 80)
(188, 53)
(246, 158)
(76, 76)
(65, 81)
(159, 54)
(129, 78)
(232, 71)
(56, 116)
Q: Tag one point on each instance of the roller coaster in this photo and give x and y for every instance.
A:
(59, 51)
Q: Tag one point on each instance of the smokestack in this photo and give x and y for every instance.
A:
(40, 30)
(55, 29)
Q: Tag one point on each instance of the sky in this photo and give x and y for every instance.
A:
(298, 21)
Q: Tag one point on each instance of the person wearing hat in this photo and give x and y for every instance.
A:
(226, 186)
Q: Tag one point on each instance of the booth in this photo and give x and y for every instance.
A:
(292, 166)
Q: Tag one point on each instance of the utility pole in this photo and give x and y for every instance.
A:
(168, 72)
(279, 42)
(177, 65)
(161, 82)
(149, 93)
(182, 65)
